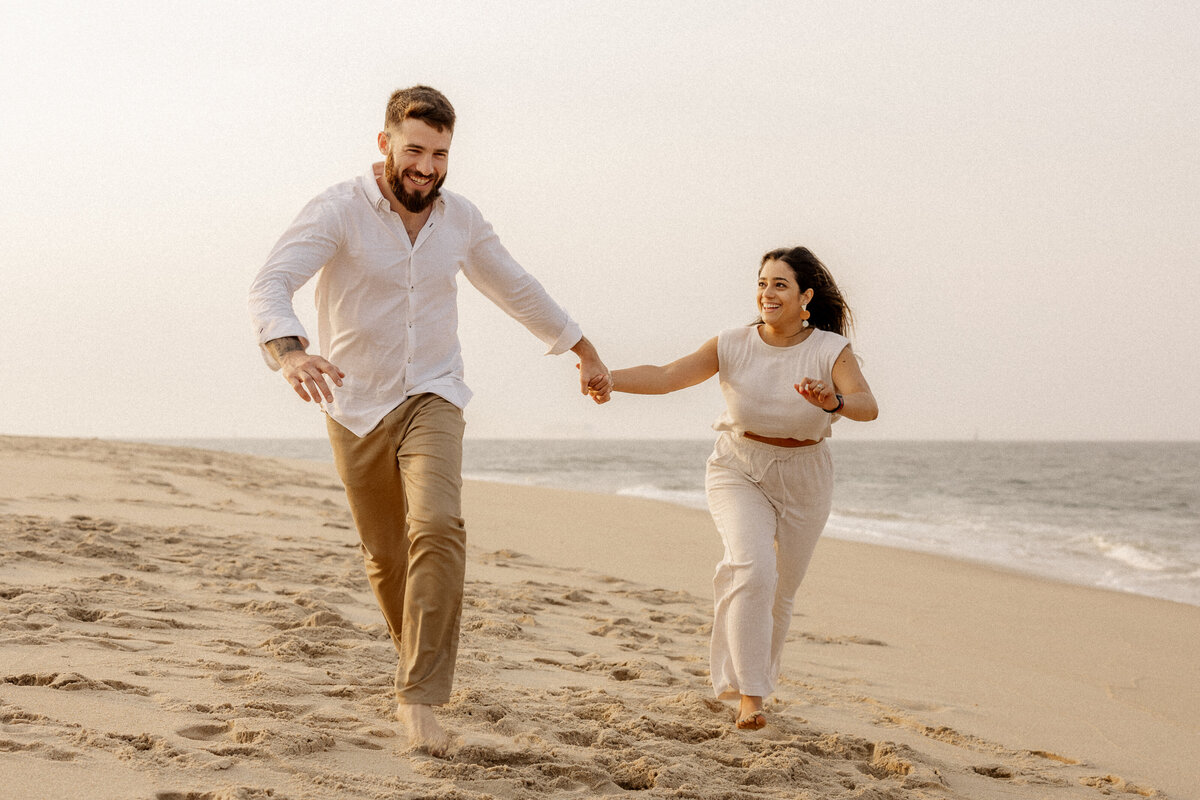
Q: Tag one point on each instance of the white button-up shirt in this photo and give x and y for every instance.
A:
(387, 311)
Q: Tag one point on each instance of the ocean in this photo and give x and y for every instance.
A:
(1116, 515)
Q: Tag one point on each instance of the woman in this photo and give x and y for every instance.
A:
(769, 481)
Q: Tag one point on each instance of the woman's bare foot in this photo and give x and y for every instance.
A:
(424, 732)
(750, 716)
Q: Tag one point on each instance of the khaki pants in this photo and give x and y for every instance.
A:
(770, 505)
(404, 485)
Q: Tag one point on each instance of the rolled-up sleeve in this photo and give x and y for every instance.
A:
(304, 248)
(497, 275)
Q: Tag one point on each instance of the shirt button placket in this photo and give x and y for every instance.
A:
(412, 286)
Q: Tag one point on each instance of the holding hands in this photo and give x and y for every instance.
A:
(819, 394)
(595, 379)
(597, 382)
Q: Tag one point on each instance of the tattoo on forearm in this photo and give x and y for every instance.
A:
(285, 345)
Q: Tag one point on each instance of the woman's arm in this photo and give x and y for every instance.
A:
(857, 401)
(687, 371)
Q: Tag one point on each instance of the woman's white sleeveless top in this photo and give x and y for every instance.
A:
(758, 381)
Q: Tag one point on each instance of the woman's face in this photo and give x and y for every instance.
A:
(780, 299)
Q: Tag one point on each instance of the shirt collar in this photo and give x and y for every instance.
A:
(371, 187)
(375, 196)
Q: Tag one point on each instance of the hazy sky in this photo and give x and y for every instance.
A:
(1008, 195)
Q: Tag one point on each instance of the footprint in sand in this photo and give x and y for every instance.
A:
(656, 597)
(641, 671)
(625, 628)
(72, 682)
(204, 733)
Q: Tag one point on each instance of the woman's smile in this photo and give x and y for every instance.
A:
(780, 301)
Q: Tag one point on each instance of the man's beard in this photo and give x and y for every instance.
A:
(416, 203)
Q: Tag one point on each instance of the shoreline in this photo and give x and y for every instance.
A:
(1000, 570)
(1079, 575)
(167, 596)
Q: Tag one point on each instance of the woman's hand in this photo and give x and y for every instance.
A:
(857, 402)
(818, 393)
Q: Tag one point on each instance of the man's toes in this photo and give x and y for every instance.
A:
(436, 746)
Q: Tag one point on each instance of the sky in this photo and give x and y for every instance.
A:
(1007, 194)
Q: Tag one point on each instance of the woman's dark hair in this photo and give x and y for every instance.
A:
(828, 308)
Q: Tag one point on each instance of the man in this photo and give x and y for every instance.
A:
(388, 247)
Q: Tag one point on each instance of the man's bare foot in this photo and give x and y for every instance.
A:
(750, 716)
(424, 732)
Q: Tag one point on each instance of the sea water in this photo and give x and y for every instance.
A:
(1117, 515)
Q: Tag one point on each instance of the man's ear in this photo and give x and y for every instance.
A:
(383, 142)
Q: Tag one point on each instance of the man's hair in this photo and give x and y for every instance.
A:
(419, 102)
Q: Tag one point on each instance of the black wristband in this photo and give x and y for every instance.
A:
(841, 402)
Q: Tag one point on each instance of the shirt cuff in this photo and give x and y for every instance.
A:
(569, 337)
(279, 330)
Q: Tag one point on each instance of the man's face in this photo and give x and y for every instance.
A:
(417, 155)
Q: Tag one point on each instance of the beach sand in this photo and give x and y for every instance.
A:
(188, 625)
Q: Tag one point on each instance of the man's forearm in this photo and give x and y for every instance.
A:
(584, 349)
(280, 347)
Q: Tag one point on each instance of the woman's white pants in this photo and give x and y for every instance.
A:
(770, 505)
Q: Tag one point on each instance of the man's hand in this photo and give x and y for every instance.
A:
(594, 377)
(599, 387)
(305, 373)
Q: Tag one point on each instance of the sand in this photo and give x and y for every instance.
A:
(181, 624)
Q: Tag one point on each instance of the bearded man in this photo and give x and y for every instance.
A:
(387, 247)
